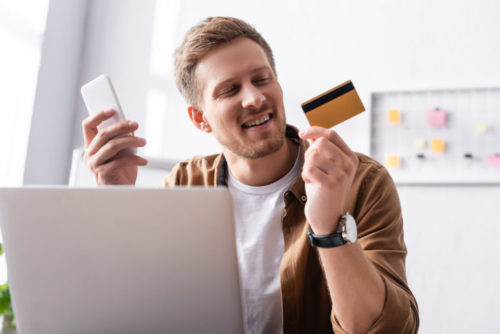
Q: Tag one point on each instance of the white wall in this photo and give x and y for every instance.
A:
(453, 263)
(451, 231)
(117, 42)
(318, 44)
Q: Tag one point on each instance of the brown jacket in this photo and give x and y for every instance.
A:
(374, 203)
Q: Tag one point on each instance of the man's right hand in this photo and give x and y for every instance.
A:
(106, 153)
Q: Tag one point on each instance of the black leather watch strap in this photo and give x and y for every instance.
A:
(325, 241)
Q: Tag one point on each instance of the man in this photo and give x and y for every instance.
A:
(283, 184)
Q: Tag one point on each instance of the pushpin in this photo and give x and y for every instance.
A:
(482, 127)
(421, 156)
(468, 156)
(419, 143)
(394, 116)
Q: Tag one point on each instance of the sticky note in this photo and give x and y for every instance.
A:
(334, 106)
(436, 118)
(494, 160)
(437, 145)
(482, 127)
(394, 116)
(392, 161)
(419, 143)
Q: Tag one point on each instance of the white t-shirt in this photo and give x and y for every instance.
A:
(258, 213)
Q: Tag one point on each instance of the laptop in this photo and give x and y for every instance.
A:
(121, 260)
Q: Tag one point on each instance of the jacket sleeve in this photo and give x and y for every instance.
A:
(172, 179)
(380, 234)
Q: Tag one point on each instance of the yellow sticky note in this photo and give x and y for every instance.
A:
(482, 127)
(392, 161)
(394, 116)
(419, 143)
(437, 145)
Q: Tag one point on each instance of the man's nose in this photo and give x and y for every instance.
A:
(252, 97)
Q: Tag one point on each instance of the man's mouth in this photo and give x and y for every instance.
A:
(257, 122)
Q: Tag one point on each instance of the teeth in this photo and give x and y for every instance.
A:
(257, 121)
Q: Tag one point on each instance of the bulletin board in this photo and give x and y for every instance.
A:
(438, 136)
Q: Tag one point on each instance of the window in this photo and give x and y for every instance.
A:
(166, 122)
(22, 25)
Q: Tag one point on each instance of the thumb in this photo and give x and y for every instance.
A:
(90, 124)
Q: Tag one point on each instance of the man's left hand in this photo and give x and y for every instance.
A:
(328, 172)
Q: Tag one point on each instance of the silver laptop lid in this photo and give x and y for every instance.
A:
(121, 260)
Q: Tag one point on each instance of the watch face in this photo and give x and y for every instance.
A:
(351, 230)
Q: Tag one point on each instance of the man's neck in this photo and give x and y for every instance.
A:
(265, 170)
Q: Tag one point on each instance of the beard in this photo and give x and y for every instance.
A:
(270, 144)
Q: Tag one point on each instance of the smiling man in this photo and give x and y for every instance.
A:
(318, 227)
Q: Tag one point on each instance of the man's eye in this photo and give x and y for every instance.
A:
(262, 80)
(229, 91)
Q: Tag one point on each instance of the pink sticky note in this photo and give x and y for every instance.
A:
(494, 160)
(436, 118)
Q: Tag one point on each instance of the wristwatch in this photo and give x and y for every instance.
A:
(346, 234)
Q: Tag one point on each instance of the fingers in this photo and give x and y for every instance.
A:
(328, 168)
(312, 174)
(325, 161)
(109, 173)
(90, 124)
(326, 148)
(128, 159)
(107, 150)
(328, 160)
(323, 146)
(105, 135)
(112, 148)
(315, 132)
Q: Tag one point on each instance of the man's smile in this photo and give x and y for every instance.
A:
(258, 121)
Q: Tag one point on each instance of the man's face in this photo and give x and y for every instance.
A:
(241, 99)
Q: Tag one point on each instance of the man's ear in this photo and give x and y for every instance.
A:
(198, 119)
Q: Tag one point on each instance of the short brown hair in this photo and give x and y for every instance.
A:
(201, 39)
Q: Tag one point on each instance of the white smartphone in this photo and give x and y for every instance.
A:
(98, 95)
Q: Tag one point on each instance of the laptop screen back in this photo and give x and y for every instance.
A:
(121, 260)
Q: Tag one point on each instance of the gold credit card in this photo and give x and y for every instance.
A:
(334, 106)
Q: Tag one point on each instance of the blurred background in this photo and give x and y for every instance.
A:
(51, 48)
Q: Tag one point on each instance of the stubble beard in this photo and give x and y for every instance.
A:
(271, 145)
